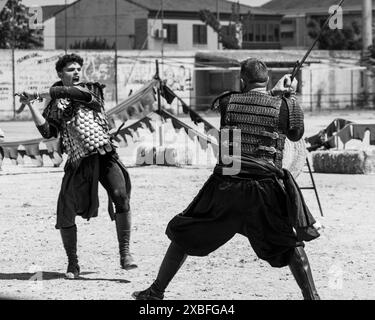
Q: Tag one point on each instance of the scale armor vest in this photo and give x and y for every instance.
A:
(85, 133)
(257, 116)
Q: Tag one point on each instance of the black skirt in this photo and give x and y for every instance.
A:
(79, 189)
(228, 205)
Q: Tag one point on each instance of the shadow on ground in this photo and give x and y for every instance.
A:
(45, 275)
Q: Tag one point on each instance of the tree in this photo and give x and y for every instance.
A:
(227, 35)
(14, 28)
(349, 38)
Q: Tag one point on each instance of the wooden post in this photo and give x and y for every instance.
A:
(116, 54)
(66, 27)
(159, 105)
(352, 89)
(311, 92)
(218, 19)
(14, 83)
(13, 62)
(314, 187)
(366, 42)
(367, 23)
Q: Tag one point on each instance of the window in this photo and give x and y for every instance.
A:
(271, 35)
(257, 32)
(199, 34)
(287, 22)
(277, 32)
(249, 33)
(171, 33)
(287, 35)
(263, 32)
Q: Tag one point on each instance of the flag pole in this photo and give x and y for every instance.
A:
(157, 76)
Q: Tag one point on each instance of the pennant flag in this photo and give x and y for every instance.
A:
(169, 96)
(148, 124)
(11, 152)
(34, 149)
(202, 139)
(144, 123)
(136, 104)
(344, 130)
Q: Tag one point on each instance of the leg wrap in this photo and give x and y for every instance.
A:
(300, 267)
(172, 262)
(69, 239)
(123, 228)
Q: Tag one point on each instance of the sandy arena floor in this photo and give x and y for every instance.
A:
(342, 259)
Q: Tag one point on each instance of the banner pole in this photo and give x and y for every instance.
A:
(159, 105)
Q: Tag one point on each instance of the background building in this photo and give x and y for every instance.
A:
(329, 79)
(156, 25)
(297, 13)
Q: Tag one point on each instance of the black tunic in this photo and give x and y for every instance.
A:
(79, 188)
(262, 203)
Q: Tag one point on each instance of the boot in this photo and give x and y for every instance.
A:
(69, 238)
(123, 225)
(148, 294)
(300, 267)
(172, 262)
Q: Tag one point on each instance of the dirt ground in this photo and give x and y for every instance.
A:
(32, 259)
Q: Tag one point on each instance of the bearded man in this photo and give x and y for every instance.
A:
(261, 201)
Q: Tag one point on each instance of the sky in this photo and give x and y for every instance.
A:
(51, 2)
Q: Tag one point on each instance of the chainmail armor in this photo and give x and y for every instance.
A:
(83, 131)
(257, 116)
(84, 134)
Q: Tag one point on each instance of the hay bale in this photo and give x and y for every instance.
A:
(344, 161)
(370, 160)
